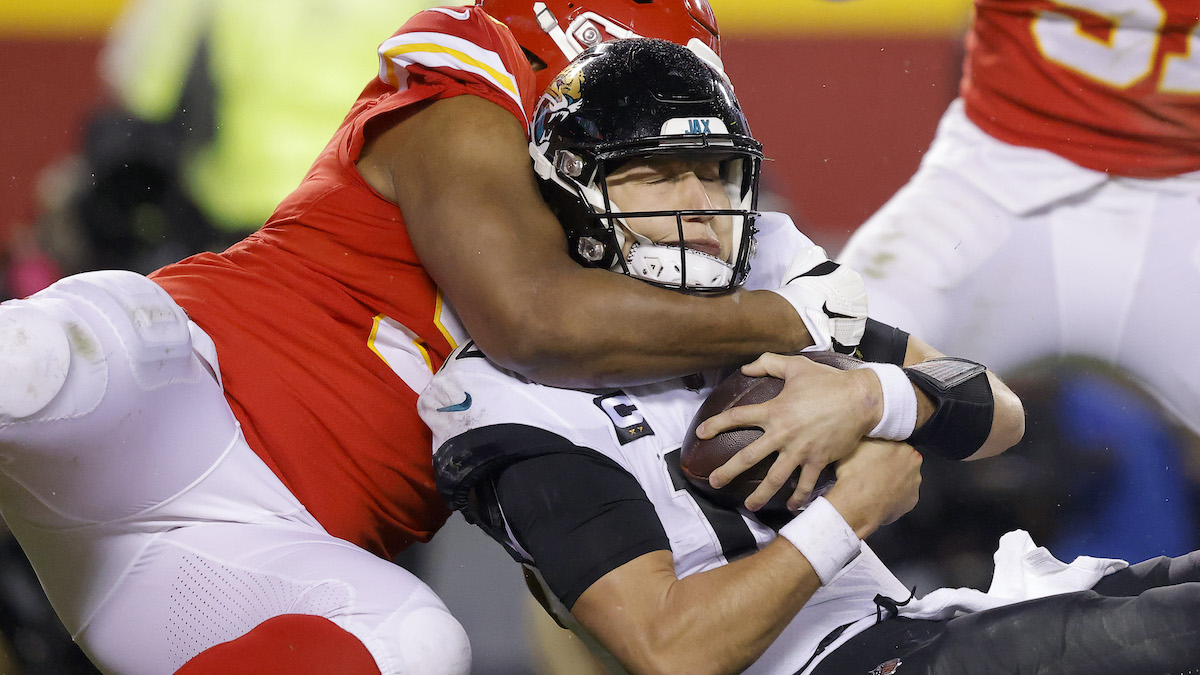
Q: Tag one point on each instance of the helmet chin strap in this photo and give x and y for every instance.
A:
(549, 24)
(665, 264)
(571, 47)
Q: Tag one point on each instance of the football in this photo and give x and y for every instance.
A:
(699, 458)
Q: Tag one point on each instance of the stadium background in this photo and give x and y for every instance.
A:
(845, 97)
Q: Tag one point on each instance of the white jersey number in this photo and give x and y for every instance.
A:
(1129, 54)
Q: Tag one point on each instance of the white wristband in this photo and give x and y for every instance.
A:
(899, 403)
(823, 536)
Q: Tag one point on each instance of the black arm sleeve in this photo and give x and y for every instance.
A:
(882, 343)
(959, 389)
(568, 510)
(579, 515)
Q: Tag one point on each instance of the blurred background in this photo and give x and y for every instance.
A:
(134, 133)
(845, 96)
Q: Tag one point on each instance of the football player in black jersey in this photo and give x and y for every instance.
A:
(583, 487)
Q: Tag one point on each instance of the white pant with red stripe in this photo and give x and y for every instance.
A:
(155, 529)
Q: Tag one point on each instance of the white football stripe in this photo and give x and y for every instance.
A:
(438, 50)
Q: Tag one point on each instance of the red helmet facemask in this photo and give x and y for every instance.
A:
(555, 31)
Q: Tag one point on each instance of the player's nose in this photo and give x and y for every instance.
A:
(695, 197)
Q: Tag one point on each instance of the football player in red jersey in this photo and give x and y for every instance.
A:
(1056, 211)
(213, 466)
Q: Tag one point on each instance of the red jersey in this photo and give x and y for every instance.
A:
(324, 320)
(1113, 87)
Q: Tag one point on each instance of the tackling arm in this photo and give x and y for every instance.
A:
(459, 170)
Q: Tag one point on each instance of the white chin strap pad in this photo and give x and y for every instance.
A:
(664, 265)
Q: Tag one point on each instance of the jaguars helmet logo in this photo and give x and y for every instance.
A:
(561, 98)
(567, 85)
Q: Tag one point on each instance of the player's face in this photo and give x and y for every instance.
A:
(662, 184)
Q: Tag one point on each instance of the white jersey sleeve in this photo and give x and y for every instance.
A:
(777, 242)
(470, 392)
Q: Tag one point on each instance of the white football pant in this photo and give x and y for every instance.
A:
(155, 529)
(1004, 255)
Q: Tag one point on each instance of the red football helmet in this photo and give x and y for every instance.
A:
(555, 31)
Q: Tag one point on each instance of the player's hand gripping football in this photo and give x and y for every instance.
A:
(830, 298)
(876, 484)
(819, 417)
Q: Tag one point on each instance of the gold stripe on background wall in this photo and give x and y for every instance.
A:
(55, 18)
(845, 18)
(919, 18)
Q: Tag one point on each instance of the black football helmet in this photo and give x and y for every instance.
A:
(640, 98)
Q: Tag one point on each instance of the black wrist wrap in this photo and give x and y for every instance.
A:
(962, 417)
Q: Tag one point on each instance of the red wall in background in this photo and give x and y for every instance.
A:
(49, 87)
(845, 120)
